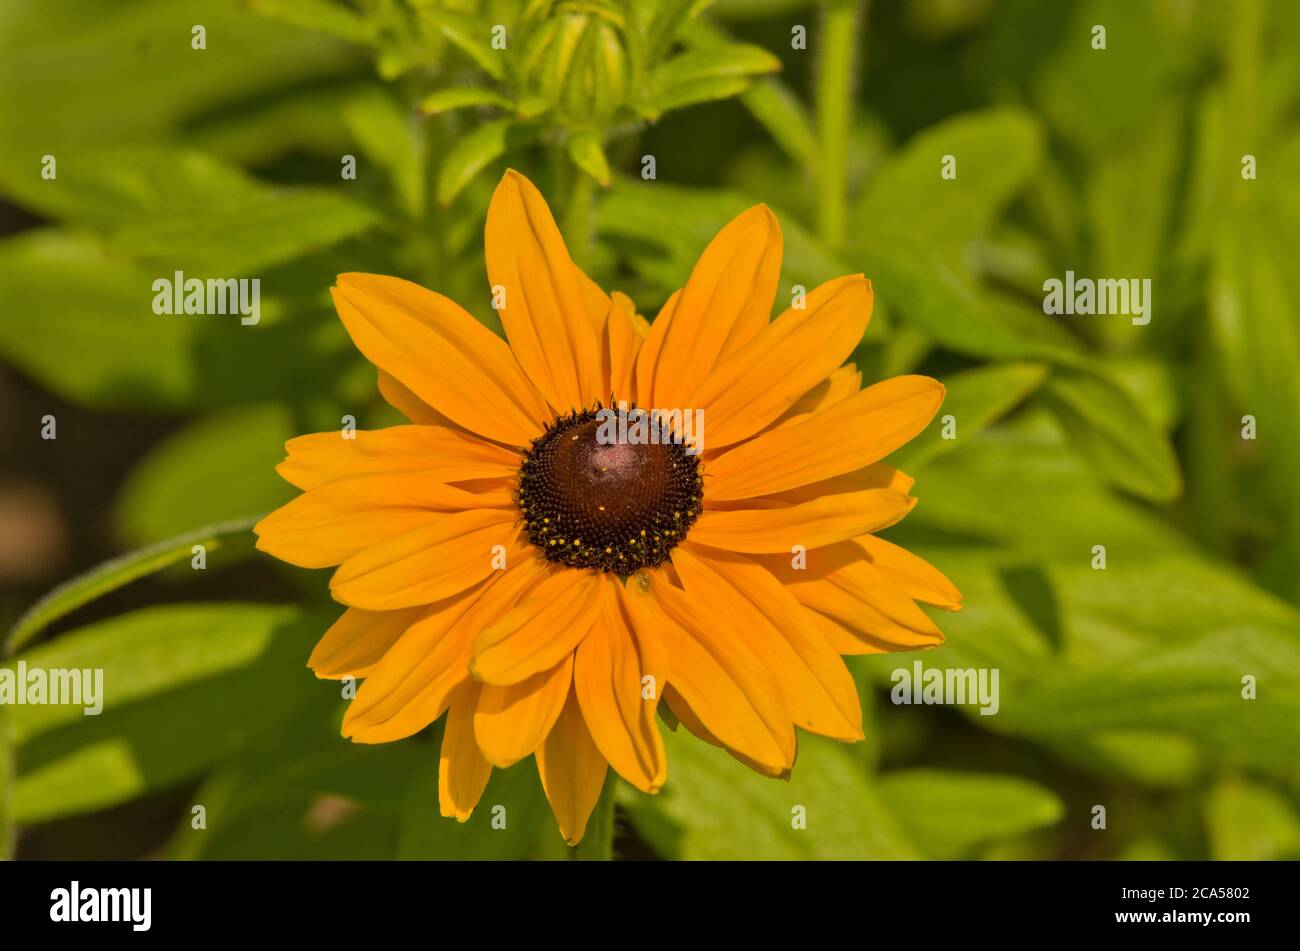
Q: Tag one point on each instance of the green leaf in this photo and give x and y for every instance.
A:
(323, 15)
(513, 796)
(77, 320)
(1099, 98)
(183, 687)
(244, 236)
(179, 209)
(784, 117)
(588, 154)
(695, 76)
(473, 153)
(462, 97)
(471, 36)
(1249, 822)
(218, 468)
(137, 78)
(949, 813)
(715, 808)
(975, 399)
(940, 298)
(309, 794)
(390, 138)
(7, 837)
(1105, 423)
(996, 153)
(120, 571)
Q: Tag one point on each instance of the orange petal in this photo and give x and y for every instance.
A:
(439, 453)
(822, 521)
(572, 771)
(442, 354)
(614, 319)
(358, 640)
(730, 689)
(688, 718)
(621, 342)
(541, 630)
(411, 686)
(332, 523)
(878, 475)
(545, 314)
(754, 386)
(428, 563)
(842, 584)
(913, 574)
(463, 773)
(618, 706)
(401, 398)
(850, 435)
(647, 358)
(725, 304)
(817, 687)
(512, 720)
(840, 385)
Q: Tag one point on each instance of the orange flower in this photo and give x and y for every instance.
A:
(546, 588)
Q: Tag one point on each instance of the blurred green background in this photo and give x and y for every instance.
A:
(1120, 687)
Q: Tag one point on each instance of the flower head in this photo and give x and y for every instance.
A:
(549, 551)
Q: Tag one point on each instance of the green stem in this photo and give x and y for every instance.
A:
(598, 844)
(834, 101)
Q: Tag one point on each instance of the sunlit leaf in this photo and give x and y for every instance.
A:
(183, 687)
(586, 151)
(948, 813)
(1248, 821)
(846, 816)
(218, 468)
(122, 570)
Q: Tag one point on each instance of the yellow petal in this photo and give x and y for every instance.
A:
(913, 574)
(878, 475)
(358, 640)
(613, 316)
(618, 706)
(401, 398)
(839, 582)
(439, 453)
(647, 358)
(727, 687)
(840, 385)
(725, 304)
(850, 435)
(426, 564)
(822, 521)
(410, 687)
(817, 687)
(797, 351)
(442, 354)
(621, 343)
(512, 720)
(545, 314)
(333, 522)
(572, 771)
(541, 630)
(695, 726)
(463, 773)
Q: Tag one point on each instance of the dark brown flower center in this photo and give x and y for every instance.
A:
(593, 498)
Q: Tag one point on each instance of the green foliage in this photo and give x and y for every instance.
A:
(1174, 670)
(830, 808)
(123, 570)
(190, 686)
(950, 813)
